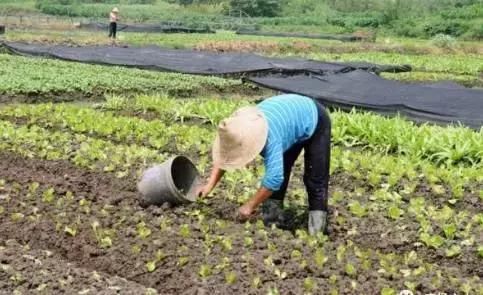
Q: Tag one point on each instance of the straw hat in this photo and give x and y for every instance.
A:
(240, 138)
(115, 9)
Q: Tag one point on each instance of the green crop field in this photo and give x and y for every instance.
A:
(405, 198)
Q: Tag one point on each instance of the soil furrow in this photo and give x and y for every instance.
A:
(47, 273)
(128, 255)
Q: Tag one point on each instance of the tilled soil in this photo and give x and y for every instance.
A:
(194, 248)
(27, 271)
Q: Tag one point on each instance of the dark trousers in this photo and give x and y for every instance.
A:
(112, 30)
(316, 164)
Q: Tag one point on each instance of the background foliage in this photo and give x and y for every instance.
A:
(409, 18)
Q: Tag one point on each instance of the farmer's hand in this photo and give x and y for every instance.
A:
(216, 175)
(245, 212)
(203, 190)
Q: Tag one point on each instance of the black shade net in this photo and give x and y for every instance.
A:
(191, 61)
(343, 85)
(443, 102)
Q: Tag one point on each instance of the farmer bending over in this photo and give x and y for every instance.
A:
(278, 129)
(113, 18)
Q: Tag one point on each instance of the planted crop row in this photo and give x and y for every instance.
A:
(36, 141)
(84, 151)
(441, 145)
(21, 75)
(469, 64)
(148, 242)
(395, 135)
(154, 134)
(399, 174)
(466, 80)
(169, 109)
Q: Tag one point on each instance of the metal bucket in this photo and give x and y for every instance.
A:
(175, 182)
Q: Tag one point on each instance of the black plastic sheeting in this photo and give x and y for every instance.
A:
(342, 85)
(146, 28)
(344, 38)
(443, 102)
(192, 62)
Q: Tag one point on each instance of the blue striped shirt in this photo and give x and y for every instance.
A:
(291, 119)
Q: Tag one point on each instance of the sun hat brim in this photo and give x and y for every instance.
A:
(251, 128)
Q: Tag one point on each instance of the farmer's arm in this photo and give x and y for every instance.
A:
(216, 175)
(271, 182)
(261, 195)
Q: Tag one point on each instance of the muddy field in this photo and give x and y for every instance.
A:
(56, 245)
(74, 140)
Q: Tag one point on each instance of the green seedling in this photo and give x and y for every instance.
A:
(17, 216)
(224, 264)
(48, 195)
(273, 291)
(280, 274)
(433, 241)
(296, 254)
(269, 262)
(85, 205)
(479, 218)
(303, 264)
(357, 209)
(142, 230)
(102, 236)
(444, 214)
(183, 260)
(394, 212)
(105, 242)
(438, 189)
(309, 285)
(449, 230)
(248, 242)
(136, 249)
(388, 263)
(271, 247)
(388, 291)
(151, 266)
(350, 270)
(256, 281)
(453, 251)
(204, 271)
(340, 252)
(71, 230)
(32, 188)
(41, 287)
(320, 258)
(185, 231)
(411, 258)
(227, 244)
(230, 278)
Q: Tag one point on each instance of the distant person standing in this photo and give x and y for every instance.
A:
(113, 18)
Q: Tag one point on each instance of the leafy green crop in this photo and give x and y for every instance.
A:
(80, 149)
(469, 64)
(21, 75)
(449, 145)
(155, 134)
